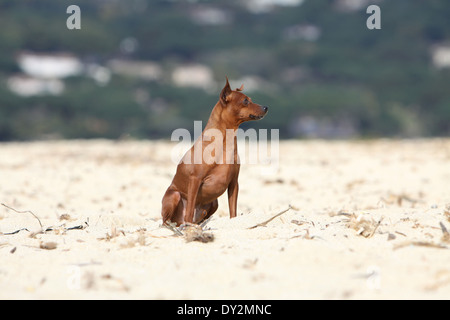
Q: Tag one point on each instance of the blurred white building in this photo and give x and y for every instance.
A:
(306, 32)
(49, 66)
(146, 70)
(193, 75)
(354, 5)
(27, 86)
(262, 6)
(210, 16)
(42, 73)
(441, 56)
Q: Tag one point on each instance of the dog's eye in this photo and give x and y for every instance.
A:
(245, 102)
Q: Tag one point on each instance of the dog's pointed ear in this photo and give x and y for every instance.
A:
(241, 88)
(225, 94)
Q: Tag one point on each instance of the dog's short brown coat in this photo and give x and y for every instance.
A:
(192, 195)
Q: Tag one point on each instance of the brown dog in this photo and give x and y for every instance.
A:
(192, 195)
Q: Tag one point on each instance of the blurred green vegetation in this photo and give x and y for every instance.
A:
(379, 82)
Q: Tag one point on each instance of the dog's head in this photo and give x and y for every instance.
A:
(240, 105)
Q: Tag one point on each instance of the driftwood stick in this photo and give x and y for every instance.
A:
(263, 224)
(27, 211)
(172, 227)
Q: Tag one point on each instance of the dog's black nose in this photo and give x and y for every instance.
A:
(265, 108)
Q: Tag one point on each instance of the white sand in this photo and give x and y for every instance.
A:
(114, 191)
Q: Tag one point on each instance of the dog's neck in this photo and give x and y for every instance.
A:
(218, 119)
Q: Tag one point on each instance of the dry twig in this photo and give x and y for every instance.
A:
(192, 232)
(420, 244)
(27, 211)
(43, 230)
(263, 224)
(363, 225)
(172, 227)
(445, 234)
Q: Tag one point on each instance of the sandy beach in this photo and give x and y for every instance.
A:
(359, 220)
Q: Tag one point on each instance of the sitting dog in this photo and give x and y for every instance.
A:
(192, 195)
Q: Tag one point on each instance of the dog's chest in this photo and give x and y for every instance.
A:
(217, 181)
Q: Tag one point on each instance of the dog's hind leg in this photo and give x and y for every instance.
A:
(172, 207)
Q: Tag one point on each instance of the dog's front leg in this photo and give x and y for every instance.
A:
(233, 190)
(193, 187)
